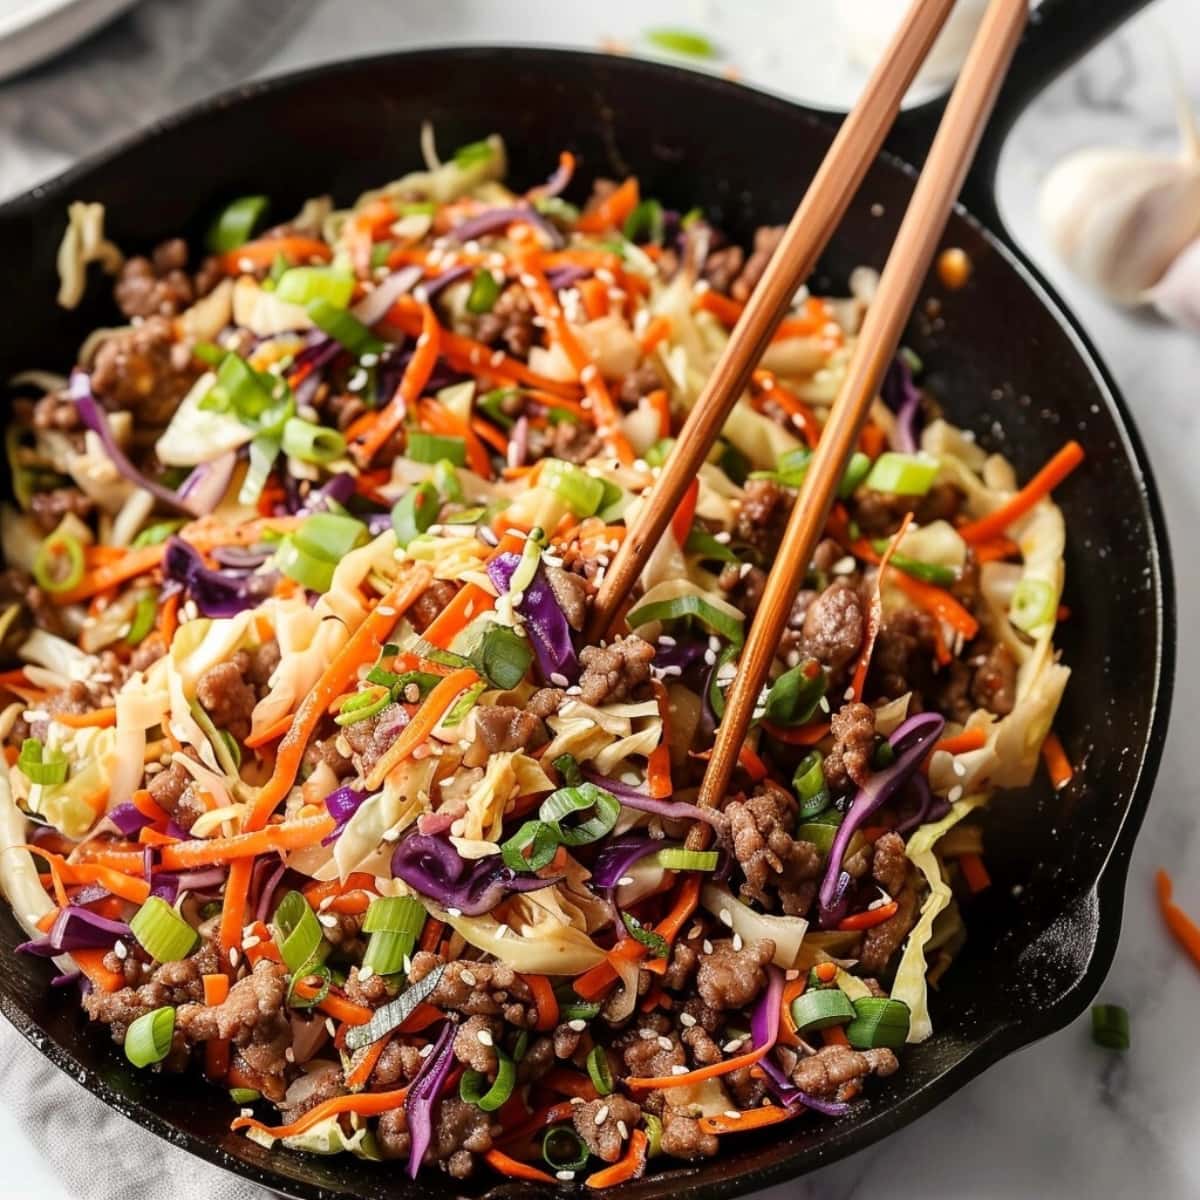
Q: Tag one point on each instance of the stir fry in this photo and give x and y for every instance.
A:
(316, 786)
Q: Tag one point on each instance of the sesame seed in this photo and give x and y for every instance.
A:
(679, 1070)
(565, 1176)
(289, 1055)
(330, 1027)
(955, 794)
(247, 1112)
(497, 359)
(250, 942)
(731, 1046)
(959, 768)
(365, 973)
(687, 1020)
(665, 1042)
(454, 912)
(121, 950)
(666, 640)
(706, 946)
(558, 679)
(726, 917)
(647, 1035)
(589, 373)
(578, 1025)
(324, 904)
(733, 1114)
(601, 1114)
(328, 920)
(623, 1130)
(468, 977)
(485, 1038)
(848, 694)
(233, 956)
(426, 1050)
(722, 536)
(625, 881)
(737, 941)
(502, 931)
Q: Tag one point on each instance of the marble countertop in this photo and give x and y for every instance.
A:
(1061, 1118)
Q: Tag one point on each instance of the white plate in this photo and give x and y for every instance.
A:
(32, 31)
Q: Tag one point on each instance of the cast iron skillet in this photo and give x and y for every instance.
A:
(1004, 356)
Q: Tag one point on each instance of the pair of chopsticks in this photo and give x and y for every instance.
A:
(853, 150)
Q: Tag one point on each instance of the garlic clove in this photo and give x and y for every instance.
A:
(1118, 218)
(1177, 294)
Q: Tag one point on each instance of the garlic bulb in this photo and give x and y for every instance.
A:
(1118, 218)
(1177, 293)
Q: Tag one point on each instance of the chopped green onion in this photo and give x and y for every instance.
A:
(572, 801)
(934, 573)
(563, 1149)
(717, 620)
(162, 932)
(302, 285)
(557, 208)
(540, 838)
(279, 268)
(343, 327)
(691, 217)
(466, 516)
(418, 208)
(817, 1010)
(502, 657)
(414, 512)
(492, 404)
(654, 942)
(312, 443)
(819, 833)
(682, 41)
(645, 223)
(236, 223)
(58, 565)
(599, 1070)
(578, 1010)
(472, 153)
(313, 573)
(300, 941)
(42, 766)
(471, 1086)
(148, 1038)
(380, 253)
(433, 447)
(1110, 1026)
(244, 1095)
(654, 1131)
(484, 293)
(734, 463)
(310, 970)
(878, 1021)
(331, 535)
(145, 613)
(394, 923)
(210, 353)
(568, 770)
(675, 858)
(257, 398)
(883, 755)
(903, 474)
(396, 1012)
(444, 477)
(795, 695)
(264, 450)
(857, 469)
(582, 493)
(1032, 605)
(363, 705)
(152, 535)
(701, 542)
(656, 456)
(462, 706)
(809, 782)
(716, 693)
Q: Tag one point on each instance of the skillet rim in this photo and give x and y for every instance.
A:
(1105, 894)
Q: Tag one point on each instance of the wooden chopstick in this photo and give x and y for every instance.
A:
(812, 225)
(903, 275)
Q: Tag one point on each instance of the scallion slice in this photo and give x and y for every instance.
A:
(310, 971)
(484, 293)
(718, 621)
(244, 1095)
(654, 1130)
(414, 512)
(433, 447)
(364, 705)
(236, 223)
(681, 41)
(331, 535)
(646, 223)
(654, 942)
(302, 285)
(563, 1149)
(148, 1038)
(582, 493)
(656, 456)
(1032, 605)
(573, 801)
(934, 573)
(675, 858)
(539, 839)
(162, 932)
(701, 542)
(502, 657)
(794, 696)
(878, 1021)
(819, 833)
(312, 443)
(58, 565)
(809, 782)
(264, 450)
(473, 153)
(1110, 1026)
(813, 1011)
(394, 923)
(903, 474)
(42, 766)
(154, 534)
(145, 613)
(578, 1010)
(299, 933)
(473, 1089)
(599, 1070)
(343, 327)
(310, 571)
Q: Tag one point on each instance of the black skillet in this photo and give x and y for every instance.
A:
(1002, 353)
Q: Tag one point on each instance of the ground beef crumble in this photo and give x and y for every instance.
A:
(761, 828)
(616, 671)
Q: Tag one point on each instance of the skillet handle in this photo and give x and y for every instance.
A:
(1059, 32)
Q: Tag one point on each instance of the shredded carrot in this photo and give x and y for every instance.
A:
(491, 435)
(262, 252)
(468, 603)
(803, 417)
(713, 1071)
(91, 963)
(962, 743)
(631, 1166)
(366, 443)
(1183, 929)
(681, 519)
(1017, 505)
(835, 1035)
(787, 1027)
(432, 710)
(431, 935)
(108, 575)
(544, 998)
(996, 550)
(594, 295)
(127, 887)
(750, 1118)
(872, 441)
(361, 649)
(870, 918)
(437, 418)
(270, 733)
(366, 1104)
(655, 333)
(233, 906)
(149, 836)
(1057, 763)
(658, 763)
(937, 602)
(335, 1005)
(613, 210)
(515, 1169)
(287, 835)
(806, 735)
(144, 803)
(974, 872)
(216, 1050)
(569, 1083)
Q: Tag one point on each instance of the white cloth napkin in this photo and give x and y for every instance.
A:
(76, 1134)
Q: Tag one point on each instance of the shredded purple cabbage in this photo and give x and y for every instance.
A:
(423, 1094)
(374, 306)
(439, 283)
(76, 928)
(903, 397)
(473, 887)
(217, 593)
(549, 630)
(673, 810)
(128, 820)
(494, 220)
(206, 486)
(342, 805)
